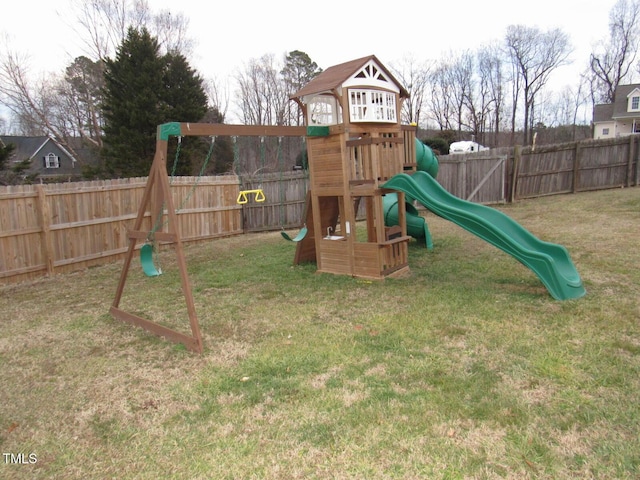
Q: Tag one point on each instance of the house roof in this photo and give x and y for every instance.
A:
(333, 77)
(27, 148)
(603, 112)
(621, 100)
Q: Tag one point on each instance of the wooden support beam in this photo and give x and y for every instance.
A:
(157, 192)
(218, 129)
(190, 342)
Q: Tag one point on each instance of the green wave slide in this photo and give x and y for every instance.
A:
(549, 261)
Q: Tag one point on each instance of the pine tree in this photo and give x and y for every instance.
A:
(144, 89)
(185, 101)
(298, 70)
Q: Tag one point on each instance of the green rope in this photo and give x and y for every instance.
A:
(282, 192)
(159, 224)
(175, 160)
(236, 159)
(263, 155)
(200, 174)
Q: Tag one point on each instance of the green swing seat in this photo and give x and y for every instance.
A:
(146, 259)
(297, 238)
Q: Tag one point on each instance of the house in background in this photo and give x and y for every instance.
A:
(620, 118)
(51, 161)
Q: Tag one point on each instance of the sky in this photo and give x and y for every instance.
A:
(230, 33)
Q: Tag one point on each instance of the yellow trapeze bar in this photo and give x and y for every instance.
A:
(258, 197)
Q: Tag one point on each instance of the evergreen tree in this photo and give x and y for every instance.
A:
(222, 155)
(185, 101)
(5, 153)
(298, 70)
(143, 90)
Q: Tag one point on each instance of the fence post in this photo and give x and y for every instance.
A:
(576, 168)
(632, 153)
(517, 151)
(462, 177)
(45, 223)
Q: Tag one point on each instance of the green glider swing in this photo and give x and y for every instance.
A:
(300, 236)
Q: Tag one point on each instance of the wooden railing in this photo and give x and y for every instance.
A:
(376, 159)
(396, 254)
(409, 135)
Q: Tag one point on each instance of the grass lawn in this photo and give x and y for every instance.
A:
(466, 369)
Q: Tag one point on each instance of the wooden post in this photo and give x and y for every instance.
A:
(45, 223)
(461, 184)
(517, 152)
(632, 154)
(158, 192)
(576, 169)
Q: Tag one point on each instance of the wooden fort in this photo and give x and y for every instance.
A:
(355, 143)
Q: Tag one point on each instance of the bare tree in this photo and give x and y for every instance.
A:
(171, 31)
(491, 85)
(454, 82)
(218, 95)
(535, 54)
(570, 101)
(28, 100)
(440, 106)
(80, 96)
(262, 94)
(36, 105)
(612, 62)
(414, 76)
(103, 25)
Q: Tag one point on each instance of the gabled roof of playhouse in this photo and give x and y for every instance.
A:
(335, 76)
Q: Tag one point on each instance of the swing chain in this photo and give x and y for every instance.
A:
(159, 223)
(175, 160)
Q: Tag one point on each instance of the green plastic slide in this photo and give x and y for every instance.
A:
(550, 262)
(416, 225)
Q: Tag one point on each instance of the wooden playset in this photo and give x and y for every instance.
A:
(355, 143)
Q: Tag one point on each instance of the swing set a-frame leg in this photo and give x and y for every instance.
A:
(159, 179)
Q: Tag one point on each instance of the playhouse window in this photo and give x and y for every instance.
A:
(322, 111)
(51, 160)
(372, 106)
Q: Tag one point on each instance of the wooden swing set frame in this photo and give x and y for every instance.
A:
(157, 196)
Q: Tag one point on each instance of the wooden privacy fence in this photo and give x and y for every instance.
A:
(476, 179)
(284, 204)
(574, 167)
(57, 228)
(509, 174)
